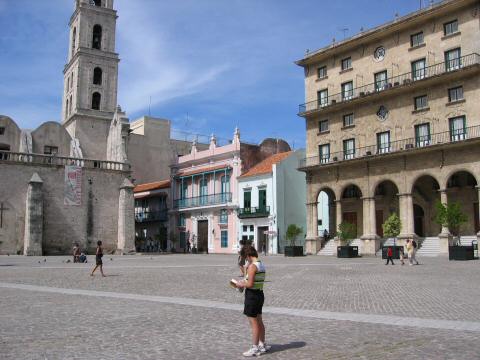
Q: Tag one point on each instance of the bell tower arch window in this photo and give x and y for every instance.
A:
(97, 37)
(74, 40)
(97, 76)
(96, 2)
(96, 98)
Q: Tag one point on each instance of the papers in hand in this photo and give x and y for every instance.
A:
(233, 283)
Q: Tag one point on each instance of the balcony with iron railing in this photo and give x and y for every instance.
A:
(404, 145)
(399, 81)
(54, 160)
(142, 216)
(253, 212)
(203, 200)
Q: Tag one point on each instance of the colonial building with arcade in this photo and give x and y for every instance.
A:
(392, 117)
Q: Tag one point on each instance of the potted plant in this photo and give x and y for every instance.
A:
(391, 229)
(346, 233)
(452, 217)
(293, 231)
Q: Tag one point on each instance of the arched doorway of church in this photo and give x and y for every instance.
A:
(352, 208)
(418, 220)
(426, 195)
(326, 213)
(461, 189)
(386, 203)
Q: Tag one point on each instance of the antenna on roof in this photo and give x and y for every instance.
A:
(344, 30)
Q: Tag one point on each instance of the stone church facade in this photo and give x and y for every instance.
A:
(71, 182)
(392, 127)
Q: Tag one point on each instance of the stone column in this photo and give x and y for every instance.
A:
(478, 189)
(406, 217)
(445, 238)
(312, 241)
(339, 215)
(370, 239)
(126, 219)
(32, 242)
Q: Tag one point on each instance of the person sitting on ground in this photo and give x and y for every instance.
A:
(76, 253)
(82, 258)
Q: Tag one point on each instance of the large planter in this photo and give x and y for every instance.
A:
(347, 251)
(395, 249)
(293, 250)
(460, 253)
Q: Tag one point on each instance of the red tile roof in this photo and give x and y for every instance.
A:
(265, 166)
(164, 184)
(186, 172)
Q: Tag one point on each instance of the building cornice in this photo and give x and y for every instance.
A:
(383, 30)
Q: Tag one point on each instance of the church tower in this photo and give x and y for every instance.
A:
(91, 76)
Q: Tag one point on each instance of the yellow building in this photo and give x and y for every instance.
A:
(392, 118)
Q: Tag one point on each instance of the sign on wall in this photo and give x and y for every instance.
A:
(73, 186)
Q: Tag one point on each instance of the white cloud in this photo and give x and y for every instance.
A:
(154, 66)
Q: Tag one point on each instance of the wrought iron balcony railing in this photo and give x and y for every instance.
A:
(409, 144)
(254, 212)
(204, 200)
(147, 216)
(406, 79)
(54, 160)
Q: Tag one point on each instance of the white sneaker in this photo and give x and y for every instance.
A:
(264, 348)
(254, 351)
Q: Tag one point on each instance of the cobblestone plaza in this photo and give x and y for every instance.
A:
(180, 307)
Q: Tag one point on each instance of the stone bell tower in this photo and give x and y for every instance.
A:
(91, 76)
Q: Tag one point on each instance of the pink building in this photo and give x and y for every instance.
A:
(205, 192)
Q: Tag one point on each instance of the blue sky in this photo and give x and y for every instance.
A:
(207, 65)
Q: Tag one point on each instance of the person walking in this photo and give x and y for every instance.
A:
(389, 255)
(402, 256)
(98, 259)
(410, 252)
(414, 252)
(254, 299)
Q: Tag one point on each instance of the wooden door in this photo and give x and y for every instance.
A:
(379, 222)
(351, 217)
(202, 242)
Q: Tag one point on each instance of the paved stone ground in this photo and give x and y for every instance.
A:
(180, 307)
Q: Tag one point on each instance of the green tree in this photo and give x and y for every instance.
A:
(293, 231)
(450, 216)
(347, 232)
(392, 226)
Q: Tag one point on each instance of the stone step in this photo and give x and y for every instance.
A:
(428, 247)
(328, 249)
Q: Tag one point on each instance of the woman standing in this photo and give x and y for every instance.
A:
(98, 259)
(254, 299)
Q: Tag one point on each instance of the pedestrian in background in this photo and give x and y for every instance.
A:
(414, 252)
(98, 259)
(389, 255)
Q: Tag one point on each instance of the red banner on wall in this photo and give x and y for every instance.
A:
(73, 186)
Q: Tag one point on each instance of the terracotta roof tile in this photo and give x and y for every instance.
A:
(164, 184)
(187, 172)
(266, 166)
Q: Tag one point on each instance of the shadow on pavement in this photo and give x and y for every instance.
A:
(282, 347)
